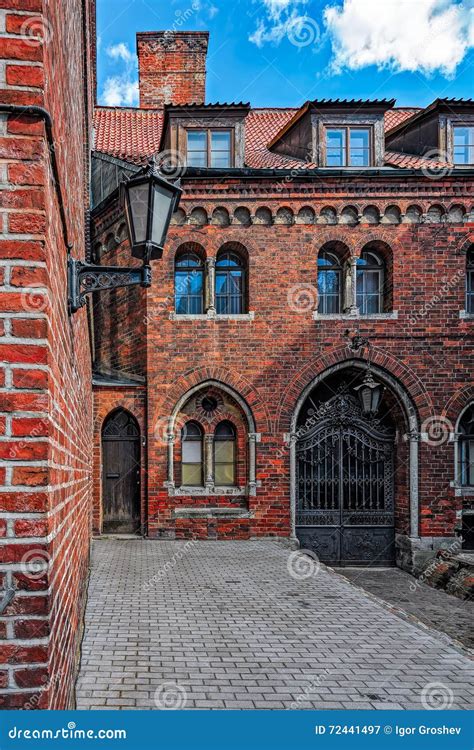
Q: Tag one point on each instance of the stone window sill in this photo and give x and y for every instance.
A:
(348, 316)
(463, 491)
(213, 316)
(210, 491)
(465, 315)
(211, 513)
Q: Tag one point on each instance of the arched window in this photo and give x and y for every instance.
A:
(189, 284)
(370, 283)
(230, 284)
(191, 455)
(329, 283)
(224, 454)
(466, 448)
(470, 281)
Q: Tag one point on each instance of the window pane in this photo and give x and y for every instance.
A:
(328, 282)
(336, 139)
(463, 137)
(197, 148)
(466, 451)
(224, 474)
(359, 139)
(220, 140)
(220, 159)
(220, 148)
(335, 148)
(359, 148)
(372, 280)
(195, 281)
(224, 451)
(197, 140)
(329, 291)
(372, 304)
(191, 475)
(335, 159)
(192, 451)
(470, 292)
(197, 159)
(221, 280)
(332, 304)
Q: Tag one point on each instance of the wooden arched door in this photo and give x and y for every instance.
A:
(121, 474)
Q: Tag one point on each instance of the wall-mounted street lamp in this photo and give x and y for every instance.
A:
(369, 391)
(148, 200)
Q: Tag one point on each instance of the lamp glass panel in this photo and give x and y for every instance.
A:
(163, 200)
(138, 197)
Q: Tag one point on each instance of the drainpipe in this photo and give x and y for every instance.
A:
(35, 111)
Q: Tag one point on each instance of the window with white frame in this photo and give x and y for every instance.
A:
(465, 438)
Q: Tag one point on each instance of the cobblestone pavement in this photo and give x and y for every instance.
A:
(435, 608)
(225, 625)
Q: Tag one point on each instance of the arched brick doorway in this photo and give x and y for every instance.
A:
(353, 489)
(121, 473)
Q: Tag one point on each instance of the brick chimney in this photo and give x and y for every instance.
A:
(172, 67)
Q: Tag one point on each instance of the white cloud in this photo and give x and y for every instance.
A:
(405, 35)
(120, 51)
(121, 90)
(282, 18)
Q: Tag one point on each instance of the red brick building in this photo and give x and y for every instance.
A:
(230, 385)
(225, 397)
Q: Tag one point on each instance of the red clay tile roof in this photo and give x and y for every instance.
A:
(134, 135)
(128, 134)
(261, 125)
(394, 117)
(409, 161)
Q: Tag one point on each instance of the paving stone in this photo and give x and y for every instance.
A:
(267, 642)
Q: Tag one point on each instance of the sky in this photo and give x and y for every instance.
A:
(284, 52)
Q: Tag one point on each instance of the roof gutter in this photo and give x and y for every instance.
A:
(197, 173)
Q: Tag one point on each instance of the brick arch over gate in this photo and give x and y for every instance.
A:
(409, 382)
(413, 400)
(219, 375)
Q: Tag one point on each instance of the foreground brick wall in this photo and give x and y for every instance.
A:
(45, 399)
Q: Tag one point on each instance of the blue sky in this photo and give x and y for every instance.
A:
(283, 52)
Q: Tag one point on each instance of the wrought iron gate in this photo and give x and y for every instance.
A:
(344, 486)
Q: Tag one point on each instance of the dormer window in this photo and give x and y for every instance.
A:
(348, 147)
(209, 148)
(463, 144)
